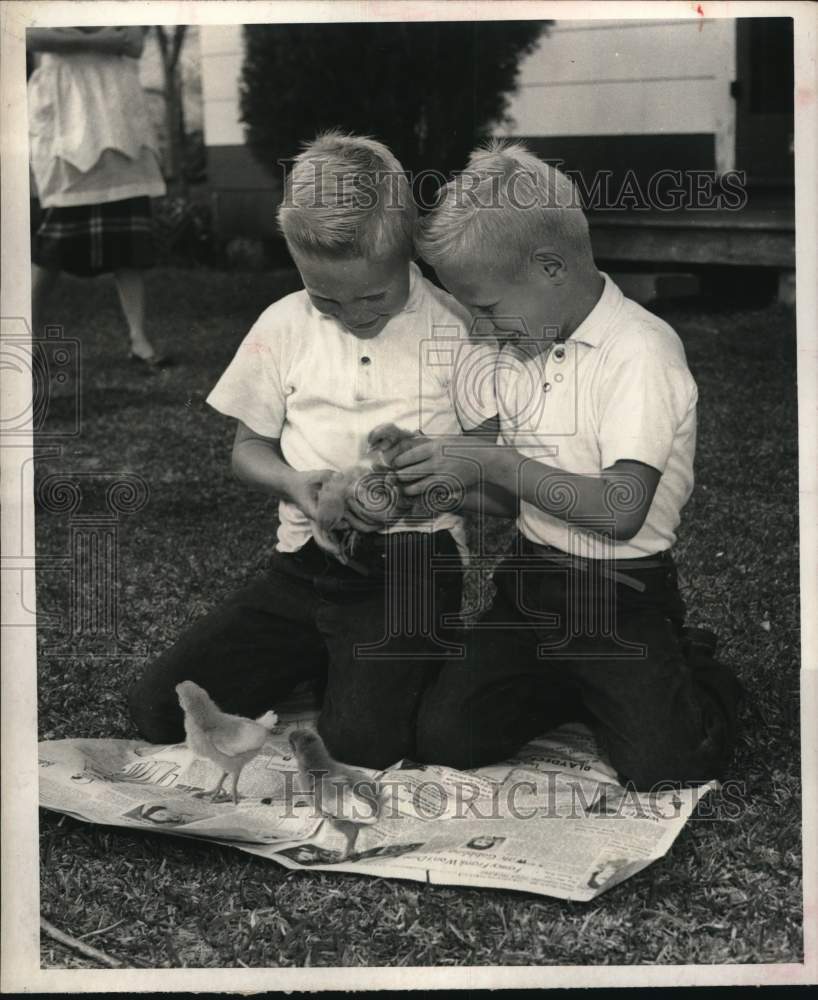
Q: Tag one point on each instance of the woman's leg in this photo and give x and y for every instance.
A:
(130, 284)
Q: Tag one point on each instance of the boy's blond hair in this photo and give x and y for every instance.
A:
(502, 207)
(347, 196)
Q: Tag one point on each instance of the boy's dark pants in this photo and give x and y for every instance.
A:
(375, 641)
(562, 642)
(570, 638)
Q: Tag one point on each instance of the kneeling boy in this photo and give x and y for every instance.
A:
(598, 430)
(318, 371)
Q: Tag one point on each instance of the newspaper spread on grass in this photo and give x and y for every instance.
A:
(552, 820)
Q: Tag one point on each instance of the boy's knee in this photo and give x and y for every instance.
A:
(654, 767)
(359, 746)
(445, 739)
(158, 717)
(698, 754)
(446, 752)
(643, 776)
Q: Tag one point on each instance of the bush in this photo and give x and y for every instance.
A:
(430, 91)
(183, 230)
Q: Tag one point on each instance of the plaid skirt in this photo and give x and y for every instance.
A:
(95, 239)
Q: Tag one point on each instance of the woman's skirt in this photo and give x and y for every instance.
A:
(96, 239)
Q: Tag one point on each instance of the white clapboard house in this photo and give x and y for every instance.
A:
(617, 100)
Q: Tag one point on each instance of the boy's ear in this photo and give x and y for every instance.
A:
(550, 263)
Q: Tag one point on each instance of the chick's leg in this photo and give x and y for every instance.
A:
(213, 793)
(350, 831)
(236, 786)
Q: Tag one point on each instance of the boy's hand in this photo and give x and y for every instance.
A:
(419, 463)
(356, 516)
(304, 488)
(372, 501)
(385, 438)
(391, 441)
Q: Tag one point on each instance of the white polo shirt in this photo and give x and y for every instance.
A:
(617, 388)
(300, 376)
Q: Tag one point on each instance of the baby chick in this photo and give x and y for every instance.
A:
(230, 741)
(363, 480)
(386, 436)
(329, 528)
(348, 798)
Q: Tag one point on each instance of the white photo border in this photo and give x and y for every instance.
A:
(20, 883)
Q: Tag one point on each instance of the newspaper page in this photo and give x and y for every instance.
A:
(553, 820)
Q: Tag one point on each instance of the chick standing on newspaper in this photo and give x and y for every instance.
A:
(348, 798)
(228, 740)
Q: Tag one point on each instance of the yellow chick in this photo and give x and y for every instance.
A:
(365, 480)
(329, 528)
(386, 436)
(230, 741)
(348, 798)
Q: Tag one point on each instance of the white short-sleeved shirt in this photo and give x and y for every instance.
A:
(617, 388)
(300, 376)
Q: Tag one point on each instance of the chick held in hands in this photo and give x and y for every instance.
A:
(347, 797)
(229, 741)
(361, 498)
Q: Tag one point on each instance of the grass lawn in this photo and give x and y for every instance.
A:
(728, 892)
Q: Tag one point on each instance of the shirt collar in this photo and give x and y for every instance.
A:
(598, 323)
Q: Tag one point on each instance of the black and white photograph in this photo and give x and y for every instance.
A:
(409, 495)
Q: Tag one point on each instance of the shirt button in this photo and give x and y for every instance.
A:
(559, 353)
(558, 377)
(366, 360)
(546, 387)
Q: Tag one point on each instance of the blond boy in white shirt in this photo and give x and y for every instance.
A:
(369, 341)
(595, 457)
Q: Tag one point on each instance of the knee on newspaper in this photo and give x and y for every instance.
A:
(706, 756)
(351, 741)
(451, 742)
(646, 774)
(155, 714)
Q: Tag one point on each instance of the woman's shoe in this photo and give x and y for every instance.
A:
(153, 362)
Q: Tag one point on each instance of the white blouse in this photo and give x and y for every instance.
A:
(90, 134)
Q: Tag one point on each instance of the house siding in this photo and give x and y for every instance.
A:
(595, 95)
